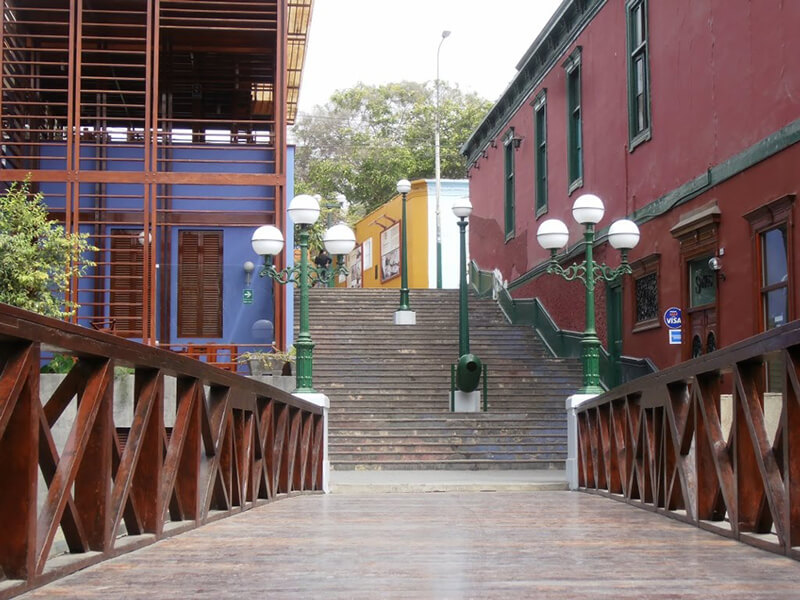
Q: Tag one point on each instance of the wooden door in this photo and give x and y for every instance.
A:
(702, 322)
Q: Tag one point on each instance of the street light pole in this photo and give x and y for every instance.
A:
(623, 235)
(438, 167)
(468, 370)
(463, 299)
(304, 344)
(404, 315)
(267, 241)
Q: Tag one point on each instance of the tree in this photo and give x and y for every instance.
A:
(366, 138)
(37, 258)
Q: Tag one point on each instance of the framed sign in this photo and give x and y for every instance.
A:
(354, 268)
(390, 252)
(366, 254)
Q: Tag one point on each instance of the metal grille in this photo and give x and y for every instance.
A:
(647, 297)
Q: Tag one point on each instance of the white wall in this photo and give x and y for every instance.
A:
(451, 189)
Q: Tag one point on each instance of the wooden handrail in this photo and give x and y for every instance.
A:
(705, 442)
(235, 443)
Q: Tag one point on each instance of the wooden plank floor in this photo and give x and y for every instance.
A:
(441, 545)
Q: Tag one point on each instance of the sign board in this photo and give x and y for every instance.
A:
(673, 318)
(390, 252)
(354, 268)
(247, 296)
(675, 336)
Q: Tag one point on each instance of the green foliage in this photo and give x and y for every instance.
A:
(367, 138)
(37, 258)
(60, 363)
(269, 359)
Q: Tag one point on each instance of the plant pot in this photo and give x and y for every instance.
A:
(256, 367)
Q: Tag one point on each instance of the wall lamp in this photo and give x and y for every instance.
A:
(248, 267)
(715, 264)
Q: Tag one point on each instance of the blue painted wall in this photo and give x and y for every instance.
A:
(238, 318)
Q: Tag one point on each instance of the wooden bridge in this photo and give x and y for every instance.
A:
(703, 443)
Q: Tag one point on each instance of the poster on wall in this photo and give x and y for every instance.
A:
(366, 254)
(390, 252)
(354, 268)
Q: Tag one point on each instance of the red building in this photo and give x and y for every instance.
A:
(683, 116)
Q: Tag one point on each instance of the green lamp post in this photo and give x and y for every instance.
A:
(623, 235)
(462, 208)
(404, 315)
(469, 367)
(267, 241)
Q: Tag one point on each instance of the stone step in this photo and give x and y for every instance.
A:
(404, 403)
(377, 457)
(377, 429)
(430, 446)
(390, 439)
(438, 464)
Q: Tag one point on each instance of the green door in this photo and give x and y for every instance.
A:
(614, 332)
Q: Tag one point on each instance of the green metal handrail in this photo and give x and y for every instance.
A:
(561, 343)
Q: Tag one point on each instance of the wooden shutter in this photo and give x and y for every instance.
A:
(200, 284)
(127, 269)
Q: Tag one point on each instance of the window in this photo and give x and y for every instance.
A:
(540, 134)
(508, 152)
(200, 284)
(770, 225)
(638, 74)
(774, 277)
(702, 283)
(127, 268)
(574, 121)
(647, 298)
(645, 293)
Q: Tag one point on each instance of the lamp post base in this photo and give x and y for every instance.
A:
(466, 402)
(405, 317)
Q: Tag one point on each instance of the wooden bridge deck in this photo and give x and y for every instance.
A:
(452, 545)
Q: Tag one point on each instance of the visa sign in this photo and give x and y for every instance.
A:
(673, 318)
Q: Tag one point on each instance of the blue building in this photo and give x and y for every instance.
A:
(160, 130)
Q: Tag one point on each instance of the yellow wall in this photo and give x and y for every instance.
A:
(374, 223)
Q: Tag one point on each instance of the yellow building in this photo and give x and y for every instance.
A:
(375, 262)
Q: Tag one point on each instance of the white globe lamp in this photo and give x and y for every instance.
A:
(588, 209)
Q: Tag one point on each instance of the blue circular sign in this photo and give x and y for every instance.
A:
(673, 318)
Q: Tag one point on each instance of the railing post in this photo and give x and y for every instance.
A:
(324, 402)
(573, 402)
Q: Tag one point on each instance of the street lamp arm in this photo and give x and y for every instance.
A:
(572, 272)
(605, 273)
(292, 274)
(284, 276)
(326, 274)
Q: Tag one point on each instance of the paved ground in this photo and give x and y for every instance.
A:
(441, 545)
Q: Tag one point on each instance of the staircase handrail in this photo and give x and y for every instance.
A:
(560, 343)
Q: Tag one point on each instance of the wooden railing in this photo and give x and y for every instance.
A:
(229, 444)
(705, 442)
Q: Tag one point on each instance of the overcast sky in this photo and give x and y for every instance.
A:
(383, 41)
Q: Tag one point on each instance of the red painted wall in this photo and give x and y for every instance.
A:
(724, 75)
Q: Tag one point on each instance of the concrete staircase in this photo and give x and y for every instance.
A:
(389, 385)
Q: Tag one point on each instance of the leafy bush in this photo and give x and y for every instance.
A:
(38, 259)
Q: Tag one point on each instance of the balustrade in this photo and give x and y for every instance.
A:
(706, 442)
(230, 444)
